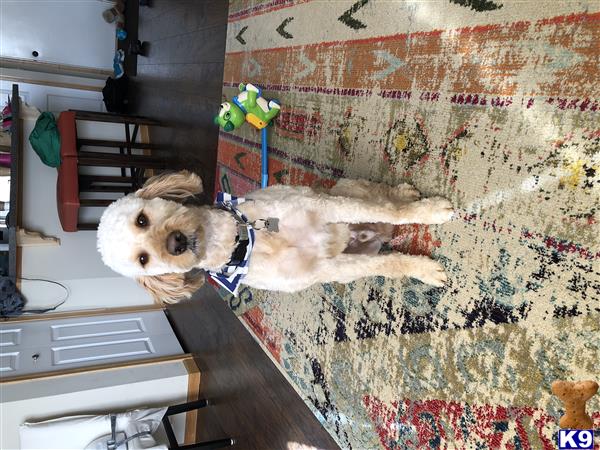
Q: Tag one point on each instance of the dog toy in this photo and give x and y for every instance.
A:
(574, 396)
(250, 106)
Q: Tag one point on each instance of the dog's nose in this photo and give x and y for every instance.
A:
(176, 243)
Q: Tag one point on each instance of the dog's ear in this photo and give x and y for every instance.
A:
(171, 186)
(172, 287)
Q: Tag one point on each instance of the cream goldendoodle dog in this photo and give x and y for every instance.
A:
(283, 238)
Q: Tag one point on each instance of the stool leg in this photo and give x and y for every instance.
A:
(184, 407)
(87, 226)
(220, 443)
(169, 432)
(92, 179)
(114, 118)
(130, 141)
(94, 202)
(117, 160)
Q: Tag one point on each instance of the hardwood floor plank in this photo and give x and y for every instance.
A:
(180, 83)
(254, 402)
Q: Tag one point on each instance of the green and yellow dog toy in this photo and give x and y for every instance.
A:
(250, 106)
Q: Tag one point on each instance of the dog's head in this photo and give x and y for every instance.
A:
(151, 236)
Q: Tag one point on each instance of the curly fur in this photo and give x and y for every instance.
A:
(324, 235)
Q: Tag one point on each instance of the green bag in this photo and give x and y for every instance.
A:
(45, 140)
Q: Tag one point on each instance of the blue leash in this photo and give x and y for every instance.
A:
(264, 160)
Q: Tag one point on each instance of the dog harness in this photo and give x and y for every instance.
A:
(231, 274)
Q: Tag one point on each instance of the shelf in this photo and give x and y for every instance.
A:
(14, 219)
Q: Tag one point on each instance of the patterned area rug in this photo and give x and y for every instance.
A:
(490, 103)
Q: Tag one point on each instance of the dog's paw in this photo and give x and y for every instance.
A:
(406, 193)
(435, 210)
(429, 272)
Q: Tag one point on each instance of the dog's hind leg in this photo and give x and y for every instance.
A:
(345, 268)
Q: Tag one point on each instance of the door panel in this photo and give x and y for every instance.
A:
(96, 328)
(101, 350)
(9, 361)
(46, 345)
(10, 337)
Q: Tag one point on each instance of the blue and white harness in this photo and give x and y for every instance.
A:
(231, 274)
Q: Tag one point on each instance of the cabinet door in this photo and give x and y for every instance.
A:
(36, 346)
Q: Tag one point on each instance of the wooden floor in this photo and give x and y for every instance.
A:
(180, 82)
(255, 403)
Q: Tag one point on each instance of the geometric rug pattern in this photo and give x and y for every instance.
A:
(492, 104)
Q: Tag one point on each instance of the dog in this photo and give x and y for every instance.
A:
(299, 236)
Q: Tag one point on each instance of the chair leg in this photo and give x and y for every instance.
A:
(169, 432)
(133, 171)
(220, 443)
(87, 226)
(85, 158)
(95, 202)
(184, 407)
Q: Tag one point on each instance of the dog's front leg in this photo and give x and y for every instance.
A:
(434, 210)
(345, 268)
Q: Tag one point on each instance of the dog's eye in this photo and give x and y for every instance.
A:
(143, 259)
(142, 220)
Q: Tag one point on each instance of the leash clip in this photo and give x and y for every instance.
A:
(270, 224)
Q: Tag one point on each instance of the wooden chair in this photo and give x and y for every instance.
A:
(72, 183)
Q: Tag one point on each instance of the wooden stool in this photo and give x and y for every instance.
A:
(71, 183)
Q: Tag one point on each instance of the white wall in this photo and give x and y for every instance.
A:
(69, 32)
(75, 263)
(85, 293)
(53, 99)
(77, 256)
(92, 393)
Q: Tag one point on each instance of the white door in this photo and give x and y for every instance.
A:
(36, 346)
(63, 32)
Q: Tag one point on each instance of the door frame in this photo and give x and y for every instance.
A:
(83, 313)
(59, 69)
